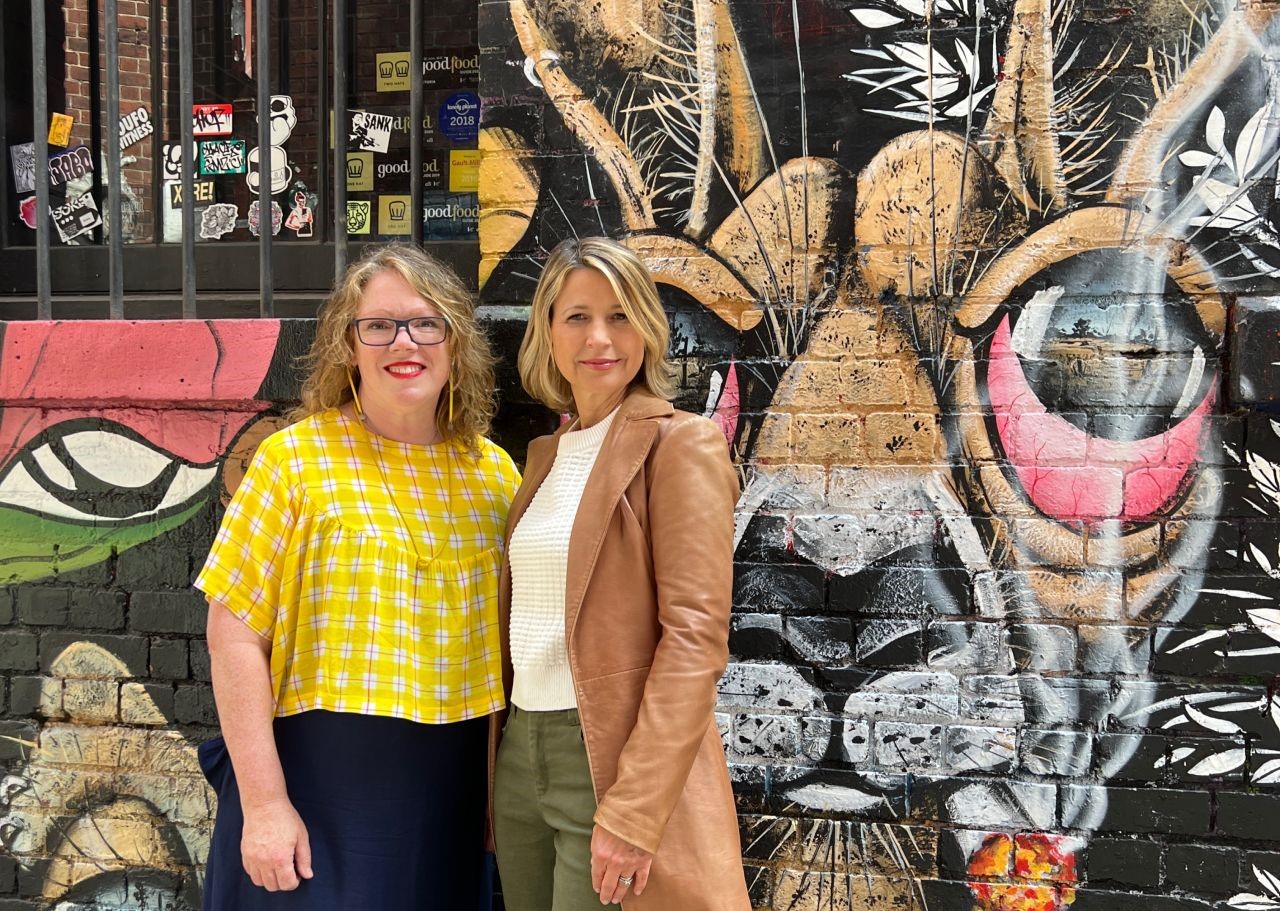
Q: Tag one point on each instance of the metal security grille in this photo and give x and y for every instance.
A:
(126, 265)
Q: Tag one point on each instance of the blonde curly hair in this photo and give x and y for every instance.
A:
(329, 362)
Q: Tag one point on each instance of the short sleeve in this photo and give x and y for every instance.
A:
(243, 570)
(508, 474)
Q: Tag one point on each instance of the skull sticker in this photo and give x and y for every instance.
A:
(281, 174)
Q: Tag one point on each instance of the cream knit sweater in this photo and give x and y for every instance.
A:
(539, 561)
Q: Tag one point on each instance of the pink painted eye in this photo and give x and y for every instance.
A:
(1100, 399)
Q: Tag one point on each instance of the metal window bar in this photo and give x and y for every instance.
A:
(186, 136)
(40, 127)
(334, 54)
(266, 161)
(115, 256)
(340, 125)
(415, 117)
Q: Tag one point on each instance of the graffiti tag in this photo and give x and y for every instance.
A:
(211, 119)
(72, 164)
(223, 156)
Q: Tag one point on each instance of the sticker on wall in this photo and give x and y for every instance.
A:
(255, 222)
(281, 175)
(27, 212)
(302, 216)
(283, 119)
(217, 220)
(22, 161)
(358, 212)
(171, 160)
(393, 215)
(135, 127)
(432, 172)
(60, 129)
(202, 191)
(393, 72)
(72, 164)
(450, 216)
(359, 172)
(460, 117)
(464, 170)
(456, 68)
(77, 216)
(222, 156)
(370, 132)
(211, 119)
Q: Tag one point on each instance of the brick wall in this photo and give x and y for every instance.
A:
(135, 91)
(998, 369)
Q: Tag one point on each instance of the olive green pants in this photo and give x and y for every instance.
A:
(543, 802)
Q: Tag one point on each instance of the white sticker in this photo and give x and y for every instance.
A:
(217, 220)
(281, 173)
(301, 216)
(277, 218)
(135, 127)
(76, 216)
(22, 159)
(283, 119)
(370, 132)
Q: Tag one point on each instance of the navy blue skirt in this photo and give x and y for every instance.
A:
(394, 812)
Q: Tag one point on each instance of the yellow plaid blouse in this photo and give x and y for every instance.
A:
(313, 556)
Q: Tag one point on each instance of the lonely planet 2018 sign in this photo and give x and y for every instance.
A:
(460, 117)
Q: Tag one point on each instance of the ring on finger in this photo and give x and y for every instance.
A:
(626, 880)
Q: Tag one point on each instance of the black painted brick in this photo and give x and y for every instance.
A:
(1094, 900)
(24, 695)
(132, 650)
(10, 733)
(7, 598)
(167, 612)
(756, 636)
(1126, 862)
(193, 704)
(169, 658)
(1203, 868)
(163, 696)
(44, 606)
(97, 610)
(8, 875)
(1249, 815)
(151, 568)
(17, 651)
(200, 660)
(1144, 810)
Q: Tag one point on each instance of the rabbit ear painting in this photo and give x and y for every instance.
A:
(956, 279)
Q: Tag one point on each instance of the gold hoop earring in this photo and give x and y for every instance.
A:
(355, 398)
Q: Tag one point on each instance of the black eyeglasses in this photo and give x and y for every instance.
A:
(380, 331)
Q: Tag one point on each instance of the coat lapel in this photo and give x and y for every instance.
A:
(624, 450)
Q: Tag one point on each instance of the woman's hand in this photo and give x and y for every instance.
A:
(274, 847)
(612, 860)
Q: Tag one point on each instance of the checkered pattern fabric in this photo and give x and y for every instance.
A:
(313, 556)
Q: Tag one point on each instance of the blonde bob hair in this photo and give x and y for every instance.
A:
(330, 362)
(637, 294)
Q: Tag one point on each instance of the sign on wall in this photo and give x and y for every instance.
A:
(222, 156)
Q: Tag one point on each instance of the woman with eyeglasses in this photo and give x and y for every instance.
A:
(353, 614)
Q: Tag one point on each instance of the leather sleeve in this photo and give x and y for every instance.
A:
(692, 492)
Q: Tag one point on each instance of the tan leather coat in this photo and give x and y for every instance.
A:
(647, 600)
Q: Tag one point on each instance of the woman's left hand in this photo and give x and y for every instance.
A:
(613, 860)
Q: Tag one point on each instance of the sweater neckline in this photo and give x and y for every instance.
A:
(589, 438)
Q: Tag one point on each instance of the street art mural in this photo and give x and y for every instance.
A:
(114, 437)
(980, 294)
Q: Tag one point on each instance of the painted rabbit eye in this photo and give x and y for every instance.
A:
(100, 476)
(1100, 386)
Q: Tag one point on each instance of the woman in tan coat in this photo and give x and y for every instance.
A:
(610, 783)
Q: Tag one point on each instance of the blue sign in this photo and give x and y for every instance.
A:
(460, 117)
